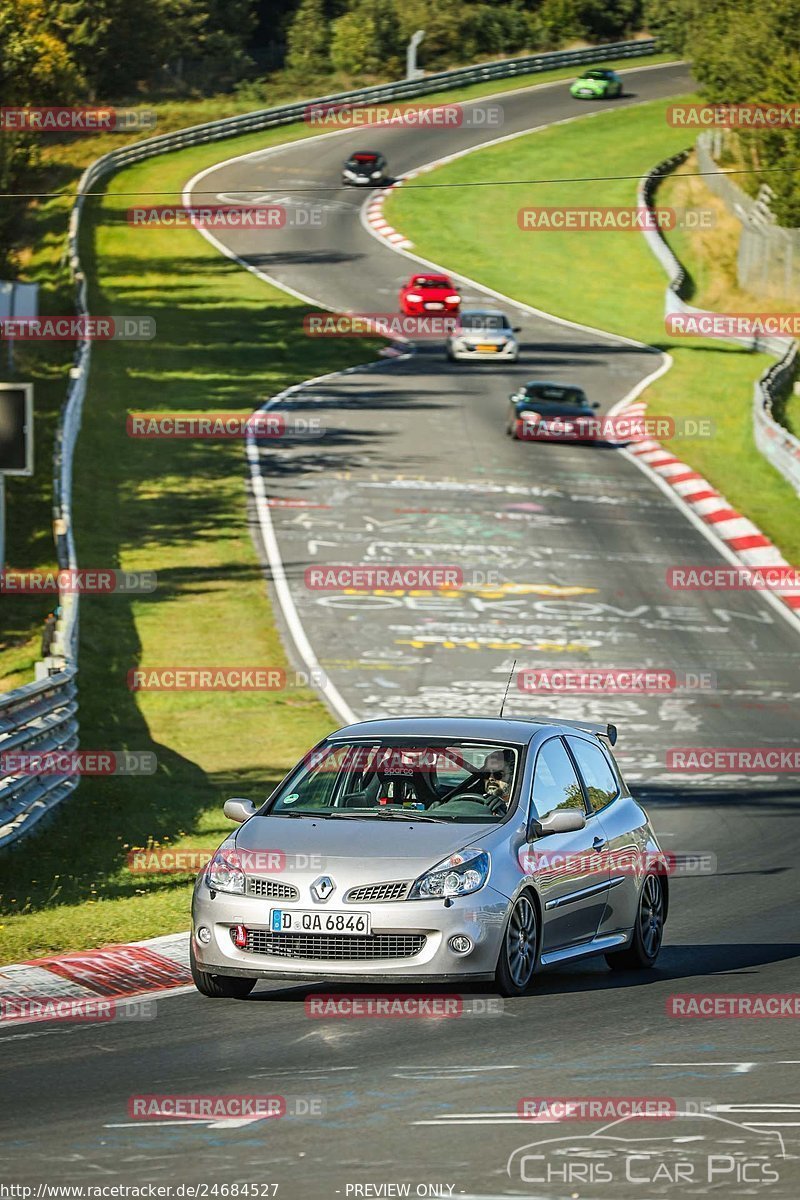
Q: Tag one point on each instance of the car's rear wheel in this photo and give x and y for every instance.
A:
(218, 987)
(519, 953)
(648, 933)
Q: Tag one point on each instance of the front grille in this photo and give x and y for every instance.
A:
(376, 892)
(329, 947)
(272, 889)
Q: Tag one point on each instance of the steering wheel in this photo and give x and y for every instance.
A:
(495, 804)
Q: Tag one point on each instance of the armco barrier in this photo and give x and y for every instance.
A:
(22, 803)
(775, 442)
(37, 718)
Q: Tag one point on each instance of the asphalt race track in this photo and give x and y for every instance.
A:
(574, 543)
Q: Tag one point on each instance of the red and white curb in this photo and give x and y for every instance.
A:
(749, 545)
(375, 219)
(109, 973)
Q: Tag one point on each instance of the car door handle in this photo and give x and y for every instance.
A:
(598, 843)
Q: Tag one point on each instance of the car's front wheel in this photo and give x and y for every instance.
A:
(519, 953)
(217, 987)
(648, 933)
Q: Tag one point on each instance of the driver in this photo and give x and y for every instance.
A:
(495, 780)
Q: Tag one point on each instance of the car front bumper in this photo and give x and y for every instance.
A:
(508, 353)
(481, 917)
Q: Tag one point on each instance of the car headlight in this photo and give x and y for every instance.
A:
(533, 417)
(457, 875)
(414, 297)
(452, 299)
(224, 872)
(375, 175)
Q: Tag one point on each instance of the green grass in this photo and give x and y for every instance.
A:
(609, 280)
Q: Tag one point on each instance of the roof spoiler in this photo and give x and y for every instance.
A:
(606, 731)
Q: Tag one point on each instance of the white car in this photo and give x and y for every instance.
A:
(483, 333)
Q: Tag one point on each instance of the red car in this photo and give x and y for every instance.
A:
(428, 294)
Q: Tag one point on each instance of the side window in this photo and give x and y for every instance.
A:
(555, 784)
(601, 783)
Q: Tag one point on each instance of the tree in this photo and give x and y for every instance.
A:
(308, 39)
(35, 69)
(367, 39)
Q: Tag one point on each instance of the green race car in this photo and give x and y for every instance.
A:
(597, 83)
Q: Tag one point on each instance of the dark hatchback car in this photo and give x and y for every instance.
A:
(552, 412)
(365, 168)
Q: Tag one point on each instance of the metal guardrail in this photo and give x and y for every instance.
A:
(36, 719)
(776, 443)
(52, 722)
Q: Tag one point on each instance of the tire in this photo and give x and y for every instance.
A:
(519, 954)
(648, 933)
(511, 430)
(218, 987)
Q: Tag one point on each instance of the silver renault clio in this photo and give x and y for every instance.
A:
(434, 849)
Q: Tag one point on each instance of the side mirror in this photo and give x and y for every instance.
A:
(516, 329)
(238, 810)
(560, 820)
(596, 404)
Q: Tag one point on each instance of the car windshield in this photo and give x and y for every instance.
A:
(463, 782)
(363, 160)
(594, 75)
(429, 282)
(556, 395)
(484, 321)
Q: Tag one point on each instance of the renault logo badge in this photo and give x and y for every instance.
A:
(323, 888)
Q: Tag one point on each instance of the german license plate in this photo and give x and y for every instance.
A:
(487, 349)
(284, 920)
(434, 304)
